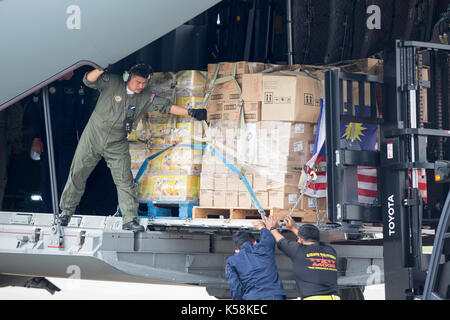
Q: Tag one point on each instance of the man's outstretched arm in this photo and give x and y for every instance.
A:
(93, 75)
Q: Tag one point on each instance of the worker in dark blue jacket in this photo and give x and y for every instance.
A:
(251, 272)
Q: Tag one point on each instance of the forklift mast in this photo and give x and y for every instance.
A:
(413, 140)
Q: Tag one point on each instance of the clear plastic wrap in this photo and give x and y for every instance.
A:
(174, 175)
(270, 153)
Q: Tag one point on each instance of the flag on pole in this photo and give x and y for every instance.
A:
(356, 136)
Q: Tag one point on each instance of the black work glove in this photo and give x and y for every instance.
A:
(199, 114)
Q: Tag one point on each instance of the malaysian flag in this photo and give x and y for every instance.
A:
(318, 187)
(354, 136)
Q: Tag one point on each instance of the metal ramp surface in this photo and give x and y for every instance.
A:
(42, 39)
(183, 252)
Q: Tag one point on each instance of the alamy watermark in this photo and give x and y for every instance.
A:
(373, 22)
(73, 22)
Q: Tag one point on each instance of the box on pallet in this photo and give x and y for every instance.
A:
(206, 180)
(291, 98)
(287, 138)
(169, 188)
(286, 198)
(177, 160)
(245, 200)
(220, 199)
(160, 131)
(226, 91)
(232, 199)
(252, 87)
(230, 110)
(226, 68)
(190, 83)
(206, 198)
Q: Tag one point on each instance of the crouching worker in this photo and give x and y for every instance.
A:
(315, 268)
(251, 272)
(121, 102)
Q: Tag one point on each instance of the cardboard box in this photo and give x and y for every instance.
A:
(233, 182)
(291, 98)
(190, 102)
(221, 168)
(230, 110)
(279, 199)
(245, 200)
(228, 91)
(169, 188)
(190, 83)
(281, 163)
(242, 67)
(263, 198)
(241, 185)
(220, 199)
(287, 138)
(366, 65)
(307, 203)
(220, 182)
(260, 182)
(232, 198)
(283, 197)
(138, 154)
(206, 181)
(252, 87)
(208, 163)
(206, 198)
(284, 182)
(247, 146)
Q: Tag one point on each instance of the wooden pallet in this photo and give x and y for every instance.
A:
(165, 209)
(249, 213)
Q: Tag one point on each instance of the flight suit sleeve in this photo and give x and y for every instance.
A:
(104, 81)
(156, 103)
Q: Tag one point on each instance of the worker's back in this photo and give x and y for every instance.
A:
(255, 270)
(315, 269)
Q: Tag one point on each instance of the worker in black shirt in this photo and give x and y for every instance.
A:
(314, 263)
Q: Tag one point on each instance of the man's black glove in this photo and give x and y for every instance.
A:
(199, 114)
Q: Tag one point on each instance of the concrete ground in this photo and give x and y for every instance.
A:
(101, 290)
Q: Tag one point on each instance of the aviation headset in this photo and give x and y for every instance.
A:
(127, 74)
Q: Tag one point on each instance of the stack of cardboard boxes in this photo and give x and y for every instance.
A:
(174, 176)
(280, 109)
(271, 148)
(224, 101)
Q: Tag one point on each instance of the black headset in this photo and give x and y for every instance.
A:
(127, 74)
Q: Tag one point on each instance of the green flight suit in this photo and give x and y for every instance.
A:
(10, 129)
(105, 136)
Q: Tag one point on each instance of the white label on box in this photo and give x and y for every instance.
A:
(292, 198)
(298, 146)
(300, 128)
(311, 203)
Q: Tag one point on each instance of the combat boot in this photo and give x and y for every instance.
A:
(64, 220)
(134, 226)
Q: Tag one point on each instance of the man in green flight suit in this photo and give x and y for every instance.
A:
(105, 135)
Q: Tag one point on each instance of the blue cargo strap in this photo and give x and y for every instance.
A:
(147, 161)
(218, 155)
